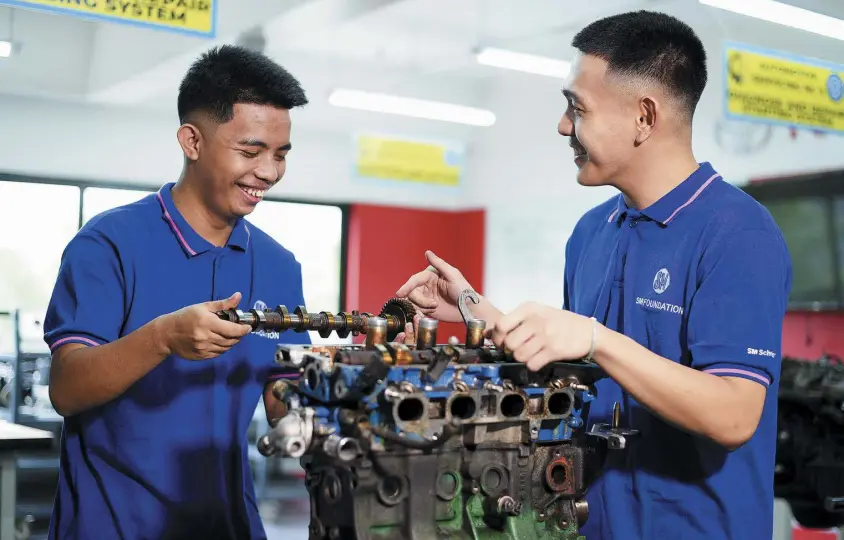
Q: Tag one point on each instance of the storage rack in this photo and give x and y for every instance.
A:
(37, 472)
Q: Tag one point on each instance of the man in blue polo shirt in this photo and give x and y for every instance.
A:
(676, 287)
(156, 396)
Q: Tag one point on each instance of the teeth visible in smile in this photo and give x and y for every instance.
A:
(257, 193)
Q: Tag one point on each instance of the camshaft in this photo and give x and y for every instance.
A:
(300, 320)
(397, 312)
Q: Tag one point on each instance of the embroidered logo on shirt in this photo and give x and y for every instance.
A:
(662, 280)
(261, 306)
(662, 306)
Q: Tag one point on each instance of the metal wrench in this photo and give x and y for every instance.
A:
(465, 312)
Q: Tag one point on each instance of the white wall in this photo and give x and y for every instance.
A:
(93, 143)
(522, 172)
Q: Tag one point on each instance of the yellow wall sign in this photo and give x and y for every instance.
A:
(405, 160)
(195, 17)
(776, 88)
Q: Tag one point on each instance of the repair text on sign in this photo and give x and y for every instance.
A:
(783, 89)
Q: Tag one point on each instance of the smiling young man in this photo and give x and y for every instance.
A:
(157, 397)
(676, 287)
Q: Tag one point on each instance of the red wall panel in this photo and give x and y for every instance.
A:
(386, 245)
(809, 335)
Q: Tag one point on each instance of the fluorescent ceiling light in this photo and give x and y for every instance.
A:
(784, 14)
(5, 49)
(417, 108)
(538, 65)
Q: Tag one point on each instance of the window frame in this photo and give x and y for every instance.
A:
(82, 185)
(825, 185)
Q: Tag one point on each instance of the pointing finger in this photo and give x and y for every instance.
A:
(416, 280)
(440, 266)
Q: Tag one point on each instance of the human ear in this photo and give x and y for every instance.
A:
(190, 139)
(646, 121)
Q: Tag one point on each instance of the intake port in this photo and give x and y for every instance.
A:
(462, 407)
(561, 403)
(558, 475)
(410, 409)
(512, 405)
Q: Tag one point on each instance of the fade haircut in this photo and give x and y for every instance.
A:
(227, 75)
(650, 46)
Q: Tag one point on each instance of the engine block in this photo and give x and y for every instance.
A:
(429, 441)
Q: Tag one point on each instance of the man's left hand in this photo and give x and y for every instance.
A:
(538, 335)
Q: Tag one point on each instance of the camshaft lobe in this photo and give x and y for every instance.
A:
(324, 323)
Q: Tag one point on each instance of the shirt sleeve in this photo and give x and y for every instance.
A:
(87, 304)
(296, 298)
(736, 314)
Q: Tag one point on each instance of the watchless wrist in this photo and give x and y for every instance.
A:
(593, 344)
(159, 333)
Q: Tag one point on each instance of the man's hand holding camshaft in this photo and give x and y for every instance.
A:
(197, 333)
(538, 335)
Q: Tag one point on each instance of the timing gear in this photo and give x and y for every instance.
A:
(400, 309)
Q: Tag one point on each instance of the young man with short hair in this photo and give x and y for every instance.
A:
(676, 287)
(157, 397)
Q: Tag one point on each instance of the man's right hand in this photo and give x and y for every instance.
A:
(197, 333)
(436, 289)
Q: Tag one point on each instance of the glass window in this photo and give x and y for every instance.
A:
(314, 234)
(98, 200)
(805, 225)
(839, 229)
(40, 221)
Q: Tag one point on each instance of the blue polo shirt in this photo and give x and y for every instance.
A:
(701, 277)
(168, 458)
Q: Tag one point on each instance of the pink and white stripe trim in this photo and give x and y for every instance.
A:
(685, 204)
(73, 339)
(743, 372)
(693, 197)
(173, 224)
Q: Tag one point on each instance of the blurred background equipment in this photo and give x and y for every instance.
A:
(810, 449)
(29, 434)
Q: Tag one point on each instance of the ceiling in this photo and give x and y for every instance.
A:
(416, 48)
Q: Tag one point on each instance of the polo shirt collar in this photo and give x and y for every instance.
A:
(192, 243)
(672, 203)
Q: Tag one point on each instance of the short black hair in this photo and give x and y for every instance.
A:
(653, 46)
(230, 74)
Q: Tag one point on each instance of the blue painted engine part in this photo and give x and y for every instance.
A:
(439, 441)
